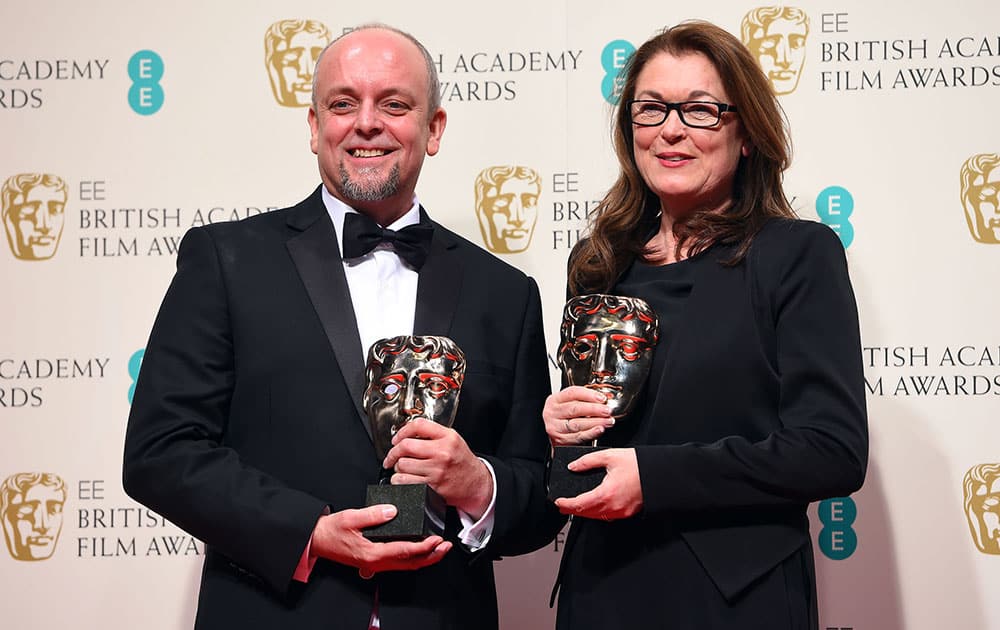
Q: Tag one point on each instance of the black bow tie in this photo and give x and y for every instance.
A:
(362, 234)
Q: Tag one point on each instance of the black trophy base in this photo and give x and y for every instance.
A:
(563, 482)
(420, 512)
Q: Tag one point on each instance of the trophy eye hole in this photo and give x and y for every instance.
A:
(582, 348)
(389, 389)
(629, 350)
(437, 387)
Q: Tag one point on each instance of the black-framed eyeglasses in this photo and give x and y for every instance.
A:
(699, 114)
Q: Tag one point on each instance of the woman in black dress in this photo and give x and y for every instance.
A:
(755, 403)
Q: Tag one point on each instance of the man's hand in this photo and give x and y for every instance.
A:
(620, 493)
(338, 537)
(426, 452)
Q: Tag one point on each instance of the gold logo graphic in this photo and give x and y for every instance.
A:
(777, 38)
(33, 208)
(291, 48)
(507, 207)
(981, 196)
(982, 506)
(32, 508)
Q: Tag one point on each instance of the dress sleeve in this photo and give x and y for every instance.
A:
(819, 445)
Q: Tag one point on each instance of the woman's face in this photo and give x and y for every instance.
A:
(687, 168)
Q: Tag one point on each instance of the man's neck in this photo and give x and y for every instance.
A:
(385, 212)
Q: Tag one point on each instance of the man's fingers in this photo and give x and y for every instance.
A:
(434, 544)
(417, 445)
(420, 428)
(428, 558)
(437, 553)
(404, 550)
(402, 556)
(414, 456)
(402, 479)
(415, 448)
(368, 517)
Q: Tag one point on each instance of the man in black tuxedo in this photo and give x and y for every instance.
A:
(247, 429)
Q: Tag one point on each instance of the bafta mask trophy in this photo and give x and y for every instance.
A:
(606, 345)
(410, 377)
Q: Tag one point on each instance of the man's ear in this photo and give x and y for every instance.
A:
(313, 130)
(437, 125)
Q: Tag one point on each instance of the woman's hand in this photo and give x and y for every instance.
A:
(576, 415)
(620, 493)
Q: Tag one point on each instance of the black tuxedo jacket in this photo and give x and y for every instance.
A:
(760, 411)
(247, 421)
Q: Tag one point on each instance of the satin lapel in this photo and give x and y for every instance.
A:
(439, 285)
(320, 266)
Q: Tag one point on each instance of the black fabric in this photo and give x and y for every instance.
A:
(362, 234)
(757, 409)
(246, 422)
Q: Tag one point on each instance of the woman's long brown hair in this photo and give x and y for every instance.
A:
(627, 216)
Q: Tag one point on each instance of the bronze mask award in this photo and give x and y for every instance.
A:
(410, 377)
(606, 345)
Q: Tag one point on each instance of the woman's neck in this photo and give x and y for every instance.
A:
(661, 249)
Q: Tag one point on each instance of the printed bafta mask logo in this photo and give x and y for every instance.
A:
(32, 508)
(776, 36)
(981, 196)
(607, 345)
(507, 207)
(34, 209)
(291, 48)
(411, 377)
(982, 506)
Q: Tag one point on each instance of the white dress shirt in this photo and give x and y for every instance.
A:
(384, 294)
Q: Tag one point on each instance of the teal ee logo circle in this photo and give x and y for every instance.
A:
(145, 96)
(134, 363)
(613, 59)
(834, 205)
(837, 539)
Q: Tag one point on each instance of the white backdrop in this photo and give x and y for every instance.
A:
(157, 117)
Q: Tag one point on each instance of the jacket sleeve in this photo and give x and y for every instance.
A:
(525, 519)
(819, 445)
(175, 459)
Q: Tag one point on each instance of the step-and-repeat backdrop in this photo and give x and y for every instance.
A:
(124, 124)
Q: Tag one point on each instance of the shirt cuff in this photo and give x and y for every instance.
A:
(307, 561)
(476, 534)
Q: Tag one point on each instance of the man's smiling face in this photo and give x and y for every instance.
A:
(371, 121)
